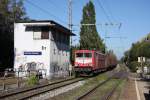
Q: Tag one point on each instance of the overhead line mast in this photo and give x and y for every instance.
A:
(70, 26)
(70, 14)
(70, 18)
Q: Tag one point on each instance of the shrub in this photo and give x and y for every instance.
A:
(133, 66)
(32, 80)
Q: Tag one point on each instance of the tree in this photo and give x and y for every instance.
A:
(138, 49)
(89, 38)
(144, 50)
(10, 12)
(126, 57)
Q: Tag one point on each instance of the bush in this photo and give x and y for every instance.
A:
(133, 66)
(32, 80)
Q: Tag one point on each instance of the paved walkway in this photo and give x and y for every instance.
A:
(129, 91)
(144, 87)
(136, 90)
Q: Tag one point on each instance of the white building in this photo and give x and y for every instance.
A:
(46, 43)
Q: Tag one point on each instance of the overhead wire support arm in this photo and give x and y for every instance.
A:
(116, 37)
(105, 24)
(85, 24)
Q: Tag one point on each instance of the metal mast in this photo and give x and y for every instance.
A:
(70, 14)
(70, 25)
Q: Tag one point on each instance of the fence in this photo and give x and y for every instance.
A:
(12, 79)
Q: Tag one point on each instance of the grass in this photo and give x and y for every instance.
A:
(89, 84)
(103, 90)
(92, 82)
(118, 92)
(32, 80)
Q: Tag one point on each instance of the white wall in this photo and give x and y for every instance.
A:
(23, 42)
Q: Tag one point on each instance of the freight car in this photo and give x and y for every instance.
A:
(111, 61)
(89, 62)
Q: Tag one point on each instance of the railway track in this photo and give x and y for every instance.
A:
(110, 93)
(31, 92)
(107, 96)
(121, 75)
(92, 90)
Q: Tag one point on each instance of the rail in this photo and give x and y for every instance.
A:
(90, 91)
(109, 94)
(120, 75)
(30, 92)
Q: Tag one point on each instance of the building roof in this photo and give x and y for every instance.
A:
(50, 23)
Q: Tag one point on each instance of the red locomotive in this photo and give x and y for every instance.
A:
(89, 62)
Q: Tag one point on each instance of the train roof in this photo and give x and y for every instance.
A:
(85, 50)
(78, 51)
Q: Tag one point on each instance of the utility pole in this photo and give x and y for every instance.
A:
(70, 28)
(70, 14)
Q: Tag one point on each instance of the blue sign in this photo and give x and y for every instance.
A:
(32, 53)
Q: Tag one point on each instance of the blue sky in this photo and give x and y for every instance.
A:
(133, 14)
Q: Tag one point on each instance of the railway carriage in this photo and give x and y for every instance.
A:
(88, 62)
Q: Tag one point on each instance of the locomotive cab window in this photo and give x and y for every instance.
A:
(79, 54)
(88, 55)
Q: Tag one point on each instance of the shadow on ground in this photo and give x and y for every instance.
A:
(147, 96)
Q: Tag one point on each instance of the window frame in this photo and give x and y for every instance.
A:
(41, 31)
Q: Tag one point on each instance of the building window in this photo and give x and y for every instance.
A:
(40, 33)
(44, 35)
(36, 35)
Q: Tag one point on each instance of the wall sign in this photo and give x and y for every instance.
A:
(32, 53)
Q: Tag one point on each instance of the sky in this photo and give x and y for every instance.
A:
(124, 21)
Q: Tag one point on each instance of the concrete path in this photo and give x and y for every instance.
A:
(144, 87)
(129, 91)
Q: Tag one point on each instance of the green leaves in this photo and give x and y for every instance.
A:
(138, 49)
(89, 37)
(32, 80)
(10, 12)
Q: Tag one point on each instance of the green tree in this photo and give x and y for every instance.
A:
(10, 12)
(126, 57)
(89, 38)
(138, 49)
(144, 50)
